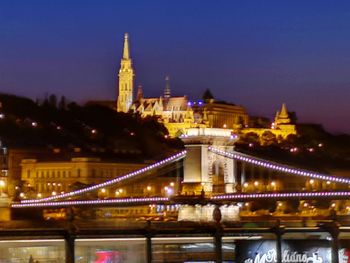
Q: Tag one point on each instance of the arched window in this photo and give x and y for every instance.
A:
(218, 176)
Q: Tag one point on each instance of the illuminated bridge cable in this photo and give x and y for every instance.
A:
(119, 179)
(278, 167)
(213, 199)
(301, 195)
(142, 200)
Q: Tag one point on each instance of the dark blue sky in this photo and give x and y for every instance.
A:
(254, 53)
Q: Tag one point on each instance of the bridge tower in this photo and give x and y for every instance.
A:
(204, 170)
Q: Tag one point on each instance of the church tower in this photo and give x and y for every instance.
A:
(126, 79)
(167, 92)
(282, 116)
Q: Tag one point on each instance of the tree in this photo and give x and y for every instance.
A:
(207, 95)
(250, 137)
(293, 116)
(53, 100)
(62, 104)
(268, 138)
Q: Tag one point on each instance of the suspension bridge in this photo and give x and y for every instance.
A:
(61, 199)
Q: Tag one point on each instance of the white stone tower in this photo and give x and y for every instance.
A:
(126, 79)
(204, 169)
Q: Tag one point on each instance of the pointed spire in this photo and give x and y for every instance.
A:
(167, 88)
(126, 79)
(284, 111)
(126, 54)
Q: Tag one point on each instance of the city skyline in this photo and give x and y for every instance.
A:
(290, 53)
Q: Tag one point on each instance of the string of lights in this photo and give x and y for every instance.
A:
(281, 195)
(119, 179)
(93, 202)
(277, 167)
(152, 200)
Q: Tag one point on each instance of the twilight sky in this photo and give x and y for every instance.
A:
(254, 53)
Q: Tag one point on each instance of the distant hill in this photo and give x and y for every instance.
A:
(316, 149)
(93, 129)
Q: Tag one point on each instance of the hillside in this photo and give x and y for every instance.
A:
(91, 129)
(313, 148)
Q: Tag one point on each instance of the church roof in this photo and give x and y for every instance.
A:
(172, 103)
(176, 103)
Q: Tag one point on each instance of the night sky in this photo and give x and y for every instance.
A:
(254, 53)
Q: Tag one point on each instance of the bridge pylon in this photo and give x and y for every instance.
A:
(205, 170)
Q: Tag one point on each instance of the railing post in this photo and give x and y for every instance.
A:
(335, 245)
(218, 234)
(218, 244)
(279, 230)
(332, 228)
(69, 248)
(149, 234)
(70, 237)
(279, 247)
(149, 248)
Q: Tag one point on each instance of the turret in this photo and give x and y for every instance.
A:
(139, 94)
(284, 112)
(282, 116)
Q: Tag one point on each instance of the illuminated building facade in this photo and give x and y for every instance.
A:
(51, 178)
(281, 128)
(177, 113)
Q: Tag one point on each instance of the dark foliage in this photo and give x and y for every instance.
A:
(94, 129)
(328, 152)
(207, 95)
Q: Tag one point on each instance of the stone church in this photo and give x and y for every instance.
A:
(179, 113)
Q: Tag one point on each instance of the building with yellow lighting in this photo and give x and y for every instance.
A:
(281, 128)
(179, 113)
(54, 177)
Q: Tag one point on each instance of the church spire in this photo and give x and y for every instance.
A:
(167, 88)
(282, 116)
(126, 79)
(284, 111)
(126, 54)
